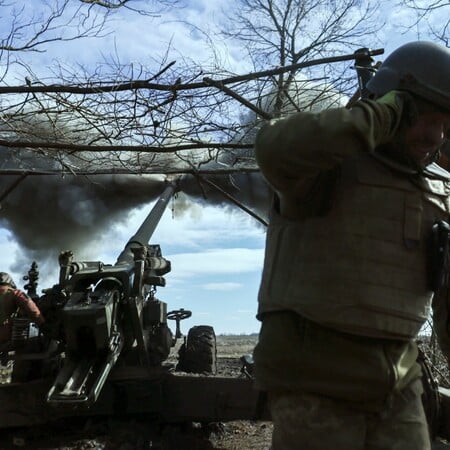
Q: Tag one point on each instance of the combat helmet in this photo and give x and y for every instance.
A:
(421, 68)
(5, 278)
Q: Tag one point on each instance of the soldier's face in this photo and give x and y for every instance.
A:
(426, 134)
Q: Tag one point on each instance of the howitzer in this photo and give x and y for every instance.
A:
(105, 346)
(109, 310)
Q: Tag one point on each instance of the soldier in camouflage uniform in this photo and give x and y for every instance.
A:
(13, 300)
(347, 284)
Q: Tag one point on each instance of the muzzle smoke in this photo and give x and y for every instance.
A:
(48, 214)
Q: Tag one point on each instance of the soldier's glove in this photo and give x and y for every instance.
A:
(403, 105)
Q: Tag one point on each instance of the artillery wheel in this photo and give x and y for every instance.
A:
(198, 354)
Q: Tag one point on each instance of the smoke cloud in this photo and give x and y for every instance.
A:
(48, 214)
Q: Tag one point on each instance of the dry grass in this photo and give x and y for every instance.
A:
(229, 346)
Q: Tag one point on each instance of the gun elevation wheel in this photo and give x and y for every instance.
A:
(198, 354)
(178, 315)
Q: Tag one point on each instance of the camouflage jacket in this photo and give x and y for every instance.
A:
(294, 154)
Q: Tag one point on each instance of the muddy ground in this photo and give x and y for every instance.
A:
(139, 433)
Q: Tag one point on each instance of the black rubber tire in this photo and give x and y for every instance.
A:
(199, 352)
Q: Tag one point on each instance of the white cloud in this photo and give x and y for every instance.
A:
(130, 38)
(8, 251)
(226, 286)
(218, 261)
(195, 231)
(402, 27)
(143, 39)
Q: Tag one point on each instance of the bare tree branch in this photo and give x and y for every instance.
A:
(173, 116)
(102, 87)
(120, 148)
(123, 171)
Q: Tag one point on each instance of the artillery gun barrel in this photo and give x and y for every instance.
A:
(146, 230)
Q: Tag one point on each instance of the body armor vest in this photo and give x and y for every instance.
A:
(361, 267)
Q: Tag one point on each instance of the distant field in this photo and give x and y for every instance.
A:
(231, 345)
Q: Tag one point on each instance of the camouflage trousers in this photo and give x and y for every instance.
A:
(309, 422)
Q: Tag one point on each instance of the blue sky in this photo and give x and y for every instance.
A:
(216, 255)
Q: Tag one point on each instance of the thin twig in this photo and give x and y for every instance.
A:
(234, 200)
(219, 85)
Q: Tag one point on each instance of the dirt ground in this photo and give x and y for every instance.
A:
(143, 433)
(139, 433)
